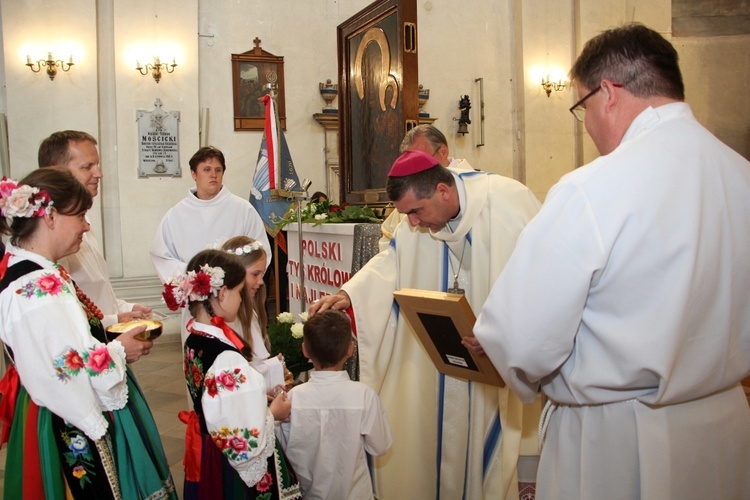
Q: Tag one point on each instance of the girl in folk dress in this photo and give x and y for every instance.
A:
(252, 319)
(231, 450)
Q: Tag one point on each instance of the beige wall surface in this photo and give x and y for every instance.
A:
(508, 44)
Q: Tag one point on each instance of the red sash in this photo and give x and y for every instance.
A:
(192, 460)
(9, 389)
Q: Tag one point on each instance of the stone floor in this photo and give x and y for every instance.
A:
(163, 383)
(161, 379)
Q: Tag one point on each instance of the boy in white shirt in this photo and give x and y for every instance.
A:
(334, 420)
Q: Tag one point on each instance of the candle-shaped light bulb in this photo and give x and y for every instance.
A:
(49, 56)
(138, 64)
(28, 59)
(70, 59)
(157, 61)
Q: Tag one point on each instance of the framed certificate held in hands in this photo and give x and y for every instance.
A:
(440, 320)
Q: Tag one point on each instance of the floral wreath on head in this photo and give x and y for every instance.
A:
(193, 287)
(23, 200)
(245, 249)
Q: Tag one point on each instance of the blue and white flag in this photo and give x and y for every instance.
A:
(272, 170)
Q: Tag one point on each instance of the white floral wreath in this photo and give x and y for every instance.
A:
(246, 249)
(193, 286)
(23, 200)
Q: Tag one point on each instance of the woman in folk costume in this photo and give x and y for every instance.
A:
(77, 423)
(252, 319)
(231, 450)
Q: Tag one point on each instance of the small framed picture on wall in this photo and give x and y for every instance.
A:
(254, 74)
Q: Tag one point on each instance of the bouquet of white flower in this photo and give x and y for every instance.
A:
(286, 338)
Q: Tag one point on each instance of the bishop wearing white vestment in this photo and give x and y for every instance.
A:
(452, 438)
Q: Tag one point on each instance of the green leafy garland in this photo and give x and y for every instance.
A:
(326, 212)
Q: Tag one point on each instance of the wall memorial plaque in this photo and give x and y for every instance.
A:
(158, 142)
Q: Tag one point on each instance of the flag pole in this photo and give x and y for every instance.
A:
(276, 156)
(298, 196)
(277, 291)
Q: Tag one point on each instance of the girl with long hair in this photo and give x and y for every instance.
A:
(231, 450)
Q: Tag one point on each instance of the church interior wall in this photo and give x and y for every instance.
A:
(508, 44)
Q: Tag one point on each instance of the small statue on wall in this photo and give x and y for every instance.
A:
(464, 105)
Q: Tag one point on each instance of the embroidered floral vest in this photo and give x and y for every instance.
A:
(200, 353)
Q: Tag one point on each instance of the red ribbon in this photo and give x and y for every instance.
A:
(4, 264)
(281, 240)
(192, 459)
(9, 389)
(349, 311)
(231, 335)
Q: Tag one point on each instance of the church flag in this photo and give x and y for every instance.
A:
(272, 170)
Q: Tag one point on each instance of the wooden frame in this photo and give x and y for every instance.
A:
(252, 71)
(440, 320)
(378, 96)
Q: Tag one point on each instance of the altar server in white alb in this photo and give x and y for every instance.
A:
(451, 438)
(627, 298)
(209, 213)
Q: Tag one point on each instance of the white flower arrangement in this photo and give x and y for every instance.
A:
(285, 317)
(297, 330)
(285, 335)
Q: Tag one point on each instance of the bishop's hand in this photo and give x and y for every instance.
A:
(337, 301)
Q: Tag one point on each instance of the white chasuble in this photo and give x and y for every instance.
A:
(452, 438)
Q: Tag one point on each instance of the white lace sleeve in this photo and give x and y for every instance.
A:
(113, 389)
(237, 415)
(255, 469)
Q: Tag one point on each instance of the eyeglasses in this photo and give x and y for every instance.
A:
(580, 112)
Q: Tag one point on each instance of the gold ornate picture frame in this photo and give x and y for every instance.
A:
(252, 72)
(441, 320)
(378, 95)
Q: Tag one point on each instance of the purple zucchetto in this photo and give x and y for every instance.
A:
(412, 162)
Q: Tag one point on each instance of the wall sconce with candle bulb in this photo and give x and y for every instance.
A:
(156, 68)
(549, 85)
(51, 64)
